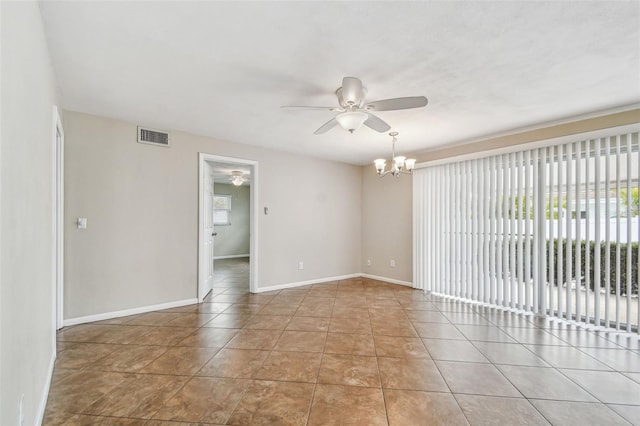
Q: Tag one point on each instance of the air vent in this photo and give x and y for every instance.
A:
(153, 137)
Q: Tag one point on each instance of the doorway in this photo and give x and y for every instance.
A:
(233, 231)
(58, 218)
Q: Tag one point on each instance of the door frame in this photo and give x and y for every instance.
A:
(253, 217)
(58, 219)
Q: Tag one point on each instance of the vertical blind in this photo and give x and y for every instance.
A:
(551, 230)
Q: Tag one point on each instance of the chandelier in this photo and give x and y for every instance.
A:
(399, 164)
(236, 178)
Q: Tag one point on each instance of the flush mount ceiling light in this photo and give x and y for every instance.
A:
(399, 164)
(236, 178)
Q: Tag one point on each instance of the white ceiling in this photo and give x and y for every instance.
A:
(223, 69)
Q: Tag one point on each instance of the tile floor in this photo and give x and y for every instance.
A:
(356, 352)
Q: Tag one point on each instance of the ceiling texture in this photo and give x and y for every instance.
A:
(223, 69)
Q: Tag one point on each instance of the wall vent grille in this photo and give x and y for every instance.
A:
(153, 137)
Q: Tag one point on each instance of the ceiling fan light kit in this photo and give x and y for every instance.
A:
(355, 112)
(351, 121)
(399, 164)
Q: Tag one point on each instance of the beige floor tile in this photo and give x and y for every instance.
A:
(224, 320)
(391, 328)
(243, 308)
(630, 412)
(544, 383)
(609, 387)
(351, 370)
(129, 358)
(302, 341)
(578, 413)
(155, 318)
(138, 396)
(285, 310)
(184, 361)
(268, 322)
(342, 311)
(422, 408)
(254, 339)
(350, 344)
(431, 330)
(308, 324)
(509, 353)
(204, 399)
(491, 410)
(119, 334)
(290, 366)
(453, 350)
(475, 378)
(212, 308)
(533, 336)
(269, 403)
(411, 374)
(164, 336)
(566, 357)
(82, 355)
(619, 359)
(74, 390)
(89, 420)
(191, 320)
(209, 337)
(398, 347)
(427, 316)
(234, 363)
(353, 405)
(350, 325)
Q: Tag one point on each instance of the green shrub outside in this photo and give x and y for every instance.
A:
(610, 274)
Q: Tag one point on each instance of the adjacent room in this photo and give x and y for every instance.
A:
(319, 213)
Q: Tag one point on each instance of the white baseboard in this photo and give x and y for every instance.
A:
(308, 282)
(45, 391)
(387, 280)
(233, 256)
(126, 312)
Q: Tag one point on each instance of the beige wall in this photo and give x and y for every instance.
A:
(26, 214)
(140, 247)
(387, 225)
(233, 239)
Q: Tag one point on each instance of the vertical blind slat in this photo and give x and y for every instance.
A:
(598, 237)
(569, 222)
(578, 225)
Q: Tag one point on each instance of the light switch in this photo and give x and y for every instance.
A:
(82, 223)
(266, 210)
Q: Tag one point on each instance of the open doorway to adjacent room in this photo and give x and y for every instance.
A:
(227, 224)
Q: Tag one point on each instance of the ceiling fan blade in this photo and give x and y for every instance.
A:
(397, 103)
(376, 123)
(351, 90)
(326, 126)
(309, 107)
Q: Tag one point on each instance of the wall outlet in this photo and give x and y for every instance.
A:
(368, 262)
(300, 265)
(392, 263)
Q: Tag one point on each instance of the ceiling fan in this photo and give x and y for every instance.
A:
(355, 111)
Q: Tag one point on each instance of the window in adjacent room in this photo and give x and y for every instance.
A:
(221, 209)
